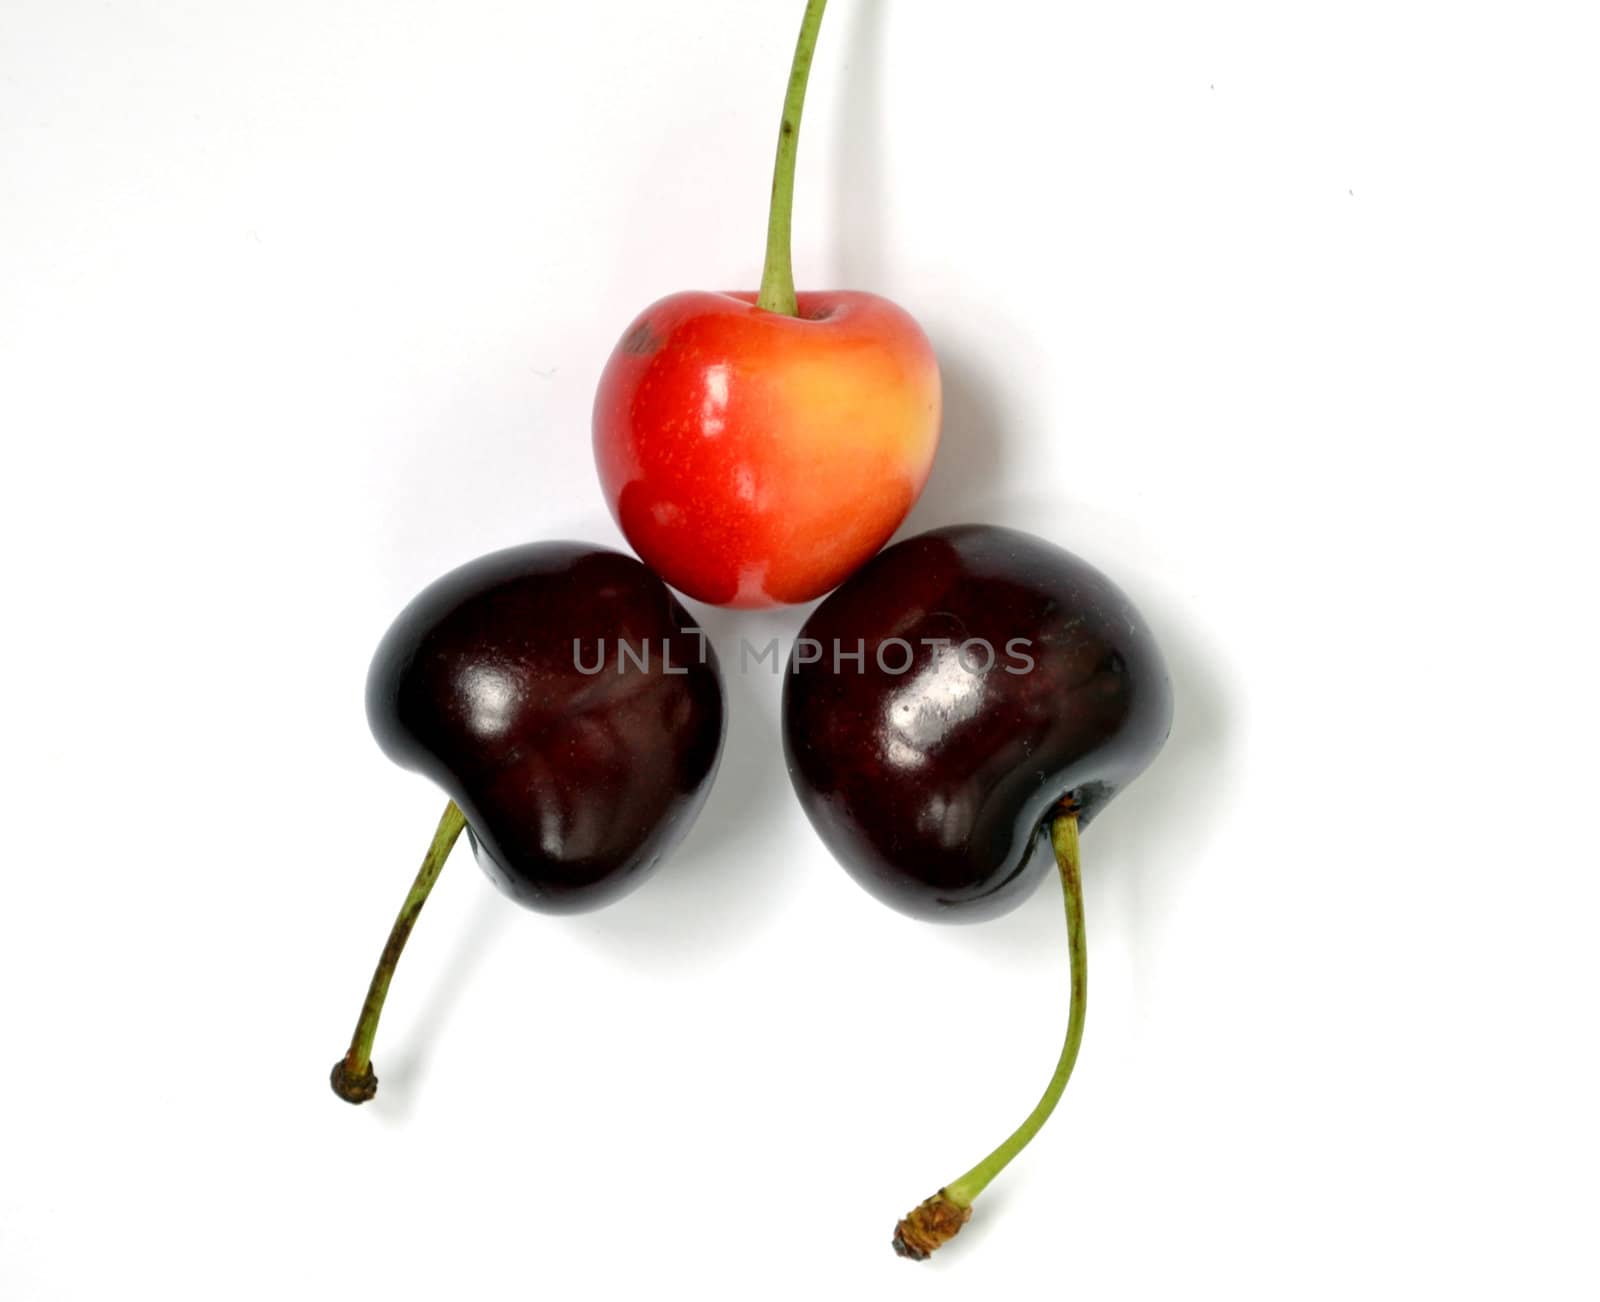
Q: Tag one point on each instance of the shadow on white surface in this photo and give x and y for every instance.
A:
(971, 461)
(858, 145)
(402, 1066)
(1155, 830)
(988, 1214)
(730, 874)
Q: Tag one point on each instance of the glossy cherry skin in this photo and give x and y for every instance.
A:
(755, 459)
(575, 780)
(931, 785)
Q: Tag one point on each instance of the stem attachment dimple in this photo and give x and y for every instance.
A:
(938, 1219)
(777, 275)
(352, 1078)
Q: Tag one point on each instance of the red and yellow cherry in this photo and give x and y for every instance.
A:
(753, 458)
(757, 448)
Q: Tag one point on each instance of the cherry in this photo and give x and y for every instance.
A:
(966, 694)
(756, 448)
(571, 709)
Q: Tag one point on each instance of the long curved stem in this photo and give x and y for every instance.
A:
(937, 1219)
(777, 276)
(353, 1079)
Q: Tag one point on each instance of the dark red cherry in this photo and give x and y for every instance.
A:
(572, 711)
(999, 676)
(965, 694)
(577, 764)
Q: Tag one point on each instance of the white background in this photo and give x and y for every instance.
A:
(1285, 315)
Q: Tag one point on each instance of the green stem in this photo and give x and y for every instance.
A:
(777, 276)
(1064, 837)
(353, 1078)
